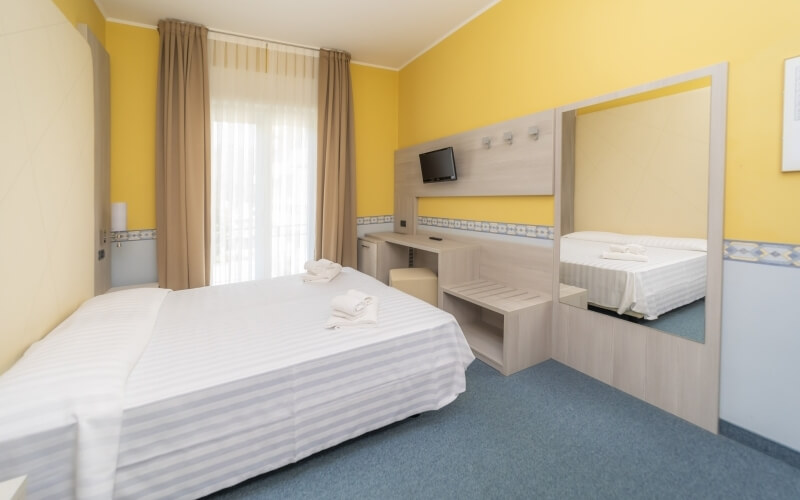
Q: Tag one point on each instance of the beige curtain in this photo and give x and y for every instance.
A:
(336, 162)
(183, 157)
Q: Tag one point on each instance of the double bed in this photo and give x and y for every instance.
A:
(149, 393)
(673, 275)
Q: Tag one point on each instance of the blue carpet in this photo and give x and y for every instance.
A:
(687, 321)
(545, 432)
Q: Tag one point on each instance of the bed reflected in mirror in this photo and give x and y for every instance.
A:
(633, 242)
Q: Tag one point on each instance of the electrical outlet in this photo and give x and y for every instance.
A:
(402, 223)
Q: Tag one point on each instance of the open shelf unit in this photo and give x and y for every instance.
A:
(507, 328)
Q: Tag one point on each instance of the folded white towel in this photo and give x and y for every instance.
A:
(633, 248)
(324, 276)
(340, 314)
(348, 305)
(368, 319)
(318, 266)
(625, 256)
(360, 295)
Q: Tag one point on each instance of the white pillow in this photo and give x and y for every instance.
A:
(696, 244)
(600, 236)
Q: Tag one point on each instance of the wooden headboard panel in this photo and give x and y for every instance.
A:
(523, 167)
(46, 175)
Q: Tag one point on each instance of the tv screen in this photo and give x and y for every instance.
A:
(439, 165)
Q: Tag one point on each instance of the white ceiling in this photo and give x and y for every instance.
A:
(388, 33)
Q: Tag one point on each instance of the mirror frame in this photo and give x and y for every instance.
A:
(668, 371)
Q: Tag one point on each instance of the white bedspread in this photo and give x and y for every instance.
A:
(669, 279)
(245, 378)
(62, 402)
(187, 392)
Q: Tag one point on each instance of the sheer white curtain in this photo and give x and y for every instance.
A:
(263, 158)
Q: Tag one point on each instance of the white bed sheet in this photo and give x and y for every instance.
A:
(670, 278)
(240, 379)
(61, 404)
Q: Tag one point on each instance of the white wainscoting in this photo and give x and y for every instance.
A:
(760, 365)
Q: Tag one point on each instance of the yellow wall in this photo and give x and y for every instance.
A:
(642, 167)
(375, 108)
(84, 12)
(515, 209)
(134, 73)
(523, 56)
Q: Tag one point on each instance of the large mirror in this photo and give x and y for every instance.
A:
(634, 204)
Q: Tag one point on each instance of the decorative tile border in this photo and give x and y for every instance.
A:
(505, 228)
(374, 219)
(141, 234)
(756, 252)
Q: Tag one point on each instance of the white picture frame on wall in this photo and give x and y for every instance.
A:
(791, 115)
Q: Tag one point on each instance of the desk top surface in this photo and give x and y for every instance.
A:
(422, 242)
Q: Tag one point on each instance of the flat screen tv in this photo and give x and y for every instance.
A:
(438, 166)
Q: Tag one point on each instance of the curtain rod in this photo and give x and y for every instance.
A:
(262, 39)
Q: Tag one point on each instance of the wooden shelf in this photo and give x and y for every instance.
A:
(497, 296)
(486, 340)
(506, 327)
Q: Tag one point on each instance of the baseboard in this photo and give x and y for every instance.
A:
(762, 444)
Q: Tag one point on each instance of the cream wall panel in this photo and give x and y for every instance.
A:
(16, 15)
(13, 141)
(46, 173)
(21, 282)
(642, 168)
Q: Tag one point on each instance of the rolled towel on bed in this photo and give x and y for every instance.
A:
(348, 305)
(324, 275)
(624, 256)
(368, 319)
(633, 248)
(317, 266)
(360, 296)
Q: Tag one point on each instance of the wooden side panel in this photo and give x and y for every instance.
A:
(567, 159)
(673, 373)
(591, 347)
(518, 265)
(662, 381)
(102, 161)
(629, 359)
(523, 167)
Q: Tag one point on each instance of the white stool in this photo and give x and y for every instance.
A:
(420, 282)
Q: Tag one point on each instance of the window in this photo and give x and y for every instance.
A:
(263, 167)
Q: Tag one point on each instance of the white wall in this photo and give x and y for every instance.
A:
(760, 370)
(46, 172)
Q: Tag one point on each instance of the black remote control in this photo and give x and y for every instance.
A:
(435, 238)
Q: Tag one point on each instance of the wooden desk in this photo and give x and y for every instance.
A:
(452, 260)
